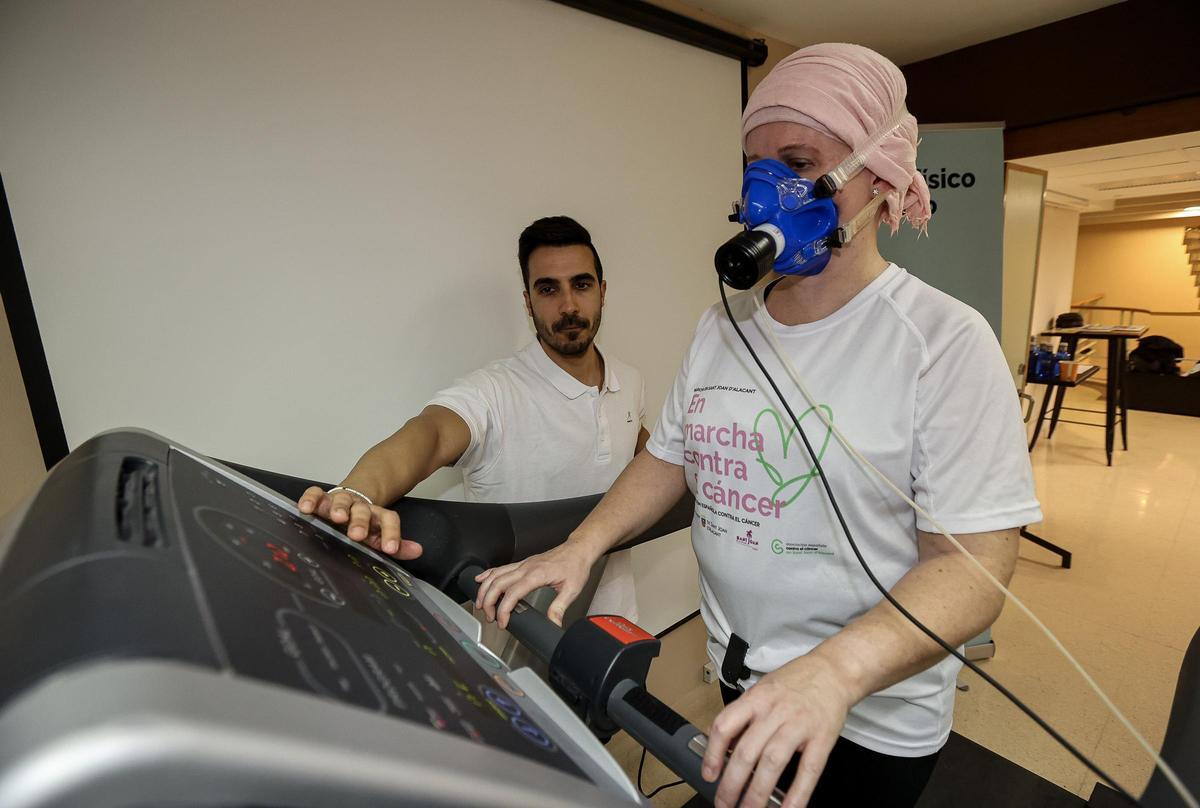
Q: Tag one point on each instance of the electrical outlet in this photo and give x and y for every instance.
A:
(708, 673)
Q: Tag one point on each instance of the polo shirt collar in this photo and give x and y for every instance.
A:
(564, 382)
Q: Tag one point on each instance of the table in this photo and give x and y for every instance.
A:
(1114, 391)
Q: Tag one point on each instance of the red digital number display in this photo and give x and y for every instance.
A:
(281, 557)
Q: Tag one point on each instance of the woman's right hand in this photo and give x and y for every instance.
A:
(565, 568)
(378, 527)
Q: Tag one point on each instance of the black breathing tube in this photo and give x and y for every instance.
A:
(866, 567)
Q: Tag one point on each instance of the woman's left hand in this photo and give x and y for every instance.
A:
(800, 707)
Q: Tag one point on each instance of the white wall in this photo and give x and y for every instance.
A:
(1055, 277)
(272, 230)
(1023, 192)
(1056, 266)
(1142, 265)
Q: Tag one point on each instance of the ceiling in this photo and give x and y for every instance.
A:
(1157, 178)
(904, 32)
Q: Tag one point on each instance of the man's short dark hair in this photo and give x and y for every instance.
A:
(554, 231)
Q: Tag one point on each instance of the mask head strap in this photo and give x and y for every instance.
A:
(842, 236)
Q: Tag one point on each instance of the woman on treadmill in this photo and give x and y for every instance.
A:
(829, 690)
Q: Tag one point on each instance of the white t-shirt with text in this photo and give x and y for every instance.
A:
(917, 382)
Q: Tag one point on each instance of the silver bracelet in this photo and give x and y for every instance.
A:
(360, 494)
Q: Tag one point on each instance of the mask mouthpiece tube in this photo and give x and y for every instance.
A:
(776, 236)
(747, 257)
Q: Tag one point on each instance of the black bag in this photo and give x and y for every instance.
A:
(1071, 319)
(1156, 355)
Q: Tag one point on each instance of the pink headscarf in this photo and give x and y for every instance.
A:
(850, 93)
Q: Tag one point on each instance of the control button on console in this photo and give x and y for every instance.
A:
(509, 687)
(502, 701)
(435, 718)
(482, 653)
(533, 733)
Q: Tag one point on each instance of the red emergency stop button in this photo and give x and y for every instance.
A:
(619, 627)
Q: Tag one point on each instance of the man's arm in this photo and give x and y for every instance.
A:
(436, 437)
(646, 489)
(643, 436)
(803, 705)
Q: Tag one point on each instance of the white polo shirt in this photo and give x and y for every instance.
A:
(538, 434)
(917, 382)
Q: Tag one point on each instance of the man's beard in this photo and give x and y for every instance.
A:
(557, 339)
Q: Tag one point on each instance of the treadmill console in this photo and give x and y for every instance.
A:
(138, 551)
(297, 604)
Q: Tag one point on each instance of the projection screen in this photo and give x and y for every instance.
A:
(272, 230)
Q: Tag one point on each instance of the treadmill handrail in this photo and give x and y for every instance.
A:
(671, 738)
(457, 534)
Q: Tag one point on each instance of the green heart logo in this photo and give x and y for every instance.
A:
(787, 490)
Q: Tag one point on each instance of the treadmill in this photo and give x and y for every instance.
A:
(176, 633)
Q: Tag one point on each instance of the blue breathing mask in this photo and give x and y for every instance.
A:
(792, 223)
(778, 203)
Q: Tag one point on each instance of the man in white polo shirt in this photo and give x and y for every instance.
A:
(558, 419)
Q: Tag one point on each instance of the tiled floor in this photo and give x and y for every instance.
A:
(1127, 609)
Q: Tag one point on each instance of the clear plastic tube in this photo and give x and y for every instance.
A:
(849, 168)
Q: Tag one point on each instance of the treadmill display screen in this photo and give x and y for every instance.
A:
(295, 606)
